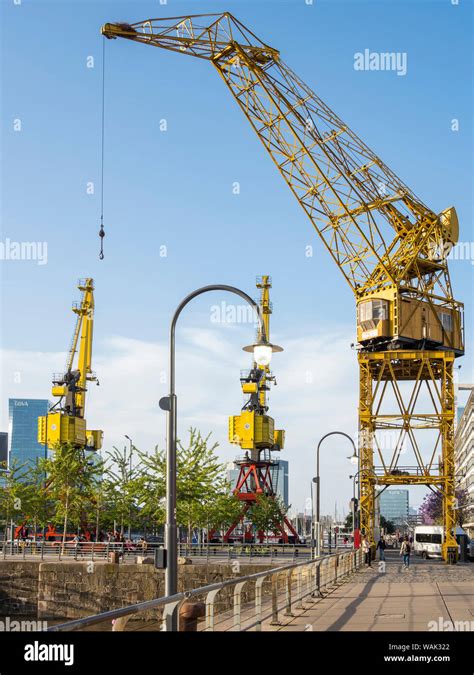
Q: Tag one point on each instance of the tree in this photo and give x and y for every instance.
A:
(71, 479)
(431, 509)
(267, 513)
(387, 525)
(14, 493)
(222, 511)
(203, 498)
(38, 506)
(121, 488)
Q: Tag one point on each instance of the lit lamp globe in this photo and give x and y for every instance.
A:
(354, 459)
(262, 352)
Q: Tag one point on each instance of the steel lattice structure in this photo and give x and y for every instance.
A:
(387, 243)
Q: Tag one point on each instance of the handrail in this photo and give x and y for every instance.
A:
(186, 595)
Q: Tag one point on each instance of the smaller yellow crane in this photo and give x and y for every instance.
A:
(65, 421)
(254, 430)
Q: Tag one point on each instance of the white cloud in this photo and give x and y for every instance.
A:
(316, 393)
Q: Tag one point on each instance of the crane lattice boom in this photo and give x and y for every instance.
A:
(377, 230)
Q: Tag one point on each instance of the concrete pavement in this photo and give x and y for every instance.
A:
(390, 598)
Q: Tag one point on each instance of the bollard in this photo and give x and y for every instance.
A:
(189, 614)
(114, 557)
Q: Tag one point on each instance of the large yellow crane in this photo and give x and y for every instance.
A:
(65, 422)
(390, 247)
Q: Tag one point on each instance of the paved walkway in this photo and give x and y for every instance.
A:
(393, 599)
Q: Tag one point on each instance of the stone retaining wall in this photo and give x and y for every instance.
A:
(70, 590)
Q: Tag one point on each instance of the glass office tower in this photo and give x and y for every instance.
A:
(23, 416)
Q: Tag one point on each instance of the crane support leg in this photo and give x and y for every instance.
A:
(406, 411)
(366, 454)
(450, 548)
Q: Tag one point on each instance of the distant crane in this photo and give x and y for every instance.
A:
(254, 431)
(65, 422)
(390, 247)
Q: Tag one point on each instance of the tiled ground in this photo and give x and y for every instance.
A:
(392, 600)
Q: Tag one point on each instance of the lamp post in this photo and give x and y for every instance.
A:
(262, 353)
(354, 511)
(316, 517)
(130, 477)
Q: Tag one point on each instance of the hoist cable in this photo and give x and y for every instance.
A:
(102, 231)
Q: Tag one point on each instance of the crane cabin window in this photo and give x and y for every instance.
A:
(373, 310)
(446, 320)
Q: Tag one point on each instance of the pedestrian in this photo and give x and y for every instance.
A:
(381, 546)
(405, 550)
(365, 546)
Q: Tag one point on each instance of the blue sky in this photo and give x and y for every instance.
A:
(174, 188)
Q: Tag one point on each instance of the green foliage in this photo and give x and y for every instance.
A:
(387, 525)
(121, 488)
(70, 490)
(13, 494)
(203, 498)
(71, 480)
(266, 513)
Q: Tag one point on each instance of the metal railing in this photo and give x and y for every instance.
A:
(252, 602)
(56, 550)
(128, 552)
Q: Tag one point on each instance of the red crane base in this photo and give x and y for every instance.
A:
(254, 480)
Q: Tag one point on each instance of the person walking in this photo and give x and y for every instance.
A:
(381, 546)
(405, 550)
(365, 546)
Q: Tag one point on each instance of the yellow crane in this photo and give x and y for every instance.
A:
(65, 422)
(254, 431)
(390, 247)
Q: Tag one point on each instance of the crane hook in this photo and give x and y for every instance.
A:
(101, 235)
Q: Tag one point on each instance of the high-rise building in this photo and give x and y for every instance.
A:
(464, 460)
(282, 482)
(23, 416)
(394, 505)
(3, 450)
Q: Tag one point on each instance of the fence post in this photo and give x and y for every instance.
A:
(238, 605)
(258, 603)
(210, 598)
(275, 620)
(299, 589)
(288, 611)
(169, 610)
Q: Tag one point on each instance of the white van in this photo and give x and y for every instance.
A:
(428, 539)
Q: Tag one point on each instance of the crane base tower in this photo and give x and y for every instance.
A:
(410, 396)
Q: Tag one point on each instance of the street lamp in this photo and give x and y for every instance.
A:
(354, 510)
(316, 480)
(130, 477)
(262, 351)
